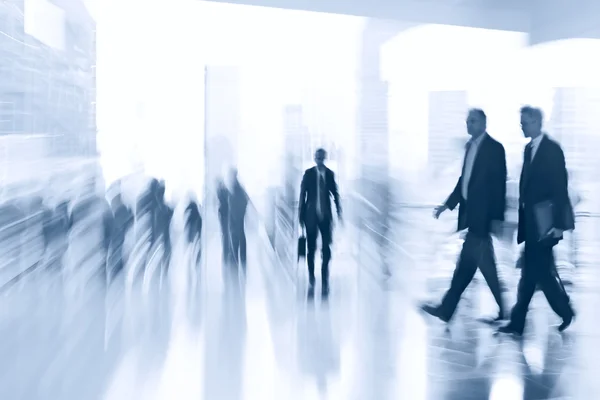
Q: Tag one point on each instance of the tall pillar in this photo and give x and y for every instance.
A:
(446, 129)
(373, 117)
(286, 224)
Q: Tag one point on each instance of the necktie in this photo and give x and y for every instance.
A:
(321, 195)
(526, 165)
(527, 157)
(466, 175)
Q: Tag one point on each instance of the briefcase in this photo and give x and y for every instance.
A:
(301, 246)
(544, 218)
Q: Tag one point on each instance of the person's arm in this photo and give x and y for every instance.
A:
(336, 195)
(302, 201)
(497, 191)
(560, 190)
(454, 198)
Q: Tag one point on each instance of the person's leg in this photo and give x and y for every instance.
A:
(311, 246)
(326, 239)
(487, 266)
(235, 246)
(462, 277)
(525, 291)
(551, 284)
(242, 246)
(225, 241)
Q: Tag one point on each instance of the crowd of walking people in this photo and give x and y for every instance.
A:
(92, 234)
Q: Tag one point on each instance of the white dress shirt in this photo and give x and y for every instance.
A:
(535, 145)
(472, 148)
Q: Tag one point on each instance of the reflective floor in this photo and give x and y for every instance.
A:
(262, 338)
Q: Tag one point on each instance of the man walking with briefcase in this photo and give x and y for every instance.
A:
(545, 212)
(317, 188)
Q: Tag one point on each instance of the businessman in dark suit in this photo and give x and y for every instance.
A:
(543, 179)
(481, 194)
(317, 188)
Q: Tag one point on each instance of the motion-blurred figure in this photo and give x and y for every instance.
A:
(223, 199)
(90, 232)
(144, 213)
(56, 230)
(193, 228)
(238, 204)
(315, 214)
(543, 179)
(84, 270)
(481, 193)
(163, 215)
(123, 221)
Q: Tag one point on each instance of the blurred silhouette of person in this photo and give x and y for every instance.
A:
(144, 212)
(56, 229)
(238, 204)
(163, 215)
(544, 178)
(223, 199)
(89, 210)
(85, 265)
(315, 214)
(193, 222)
(123, 221)
(481, 193)
(193, 226)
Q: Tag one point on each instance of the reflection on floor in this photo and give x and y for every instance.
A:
(259, 338)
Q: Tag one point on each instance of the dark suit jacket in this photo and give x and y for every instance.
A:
(308, 197)
(238, 204)
(486, 192)
(193, 222)
(545, 180)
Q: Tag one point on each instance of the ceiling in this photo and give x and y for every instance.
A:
(544, 20)
(508, 15)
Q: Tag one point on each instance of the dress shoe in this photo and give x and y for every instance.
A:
(434, 312)
(566, 323)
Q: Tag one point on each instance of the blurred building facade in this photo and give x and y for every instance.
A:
(447, 133)
(575, 123)
(48, 74)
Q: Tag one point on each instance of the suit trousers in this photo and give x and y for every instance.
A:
(238, 243)
(323, 226)
(539, 270)
(477, 252)
(225, 238)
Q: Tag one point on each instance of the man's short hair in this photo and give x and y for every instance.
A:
(479, 112)
(533, 112)
(321, 150)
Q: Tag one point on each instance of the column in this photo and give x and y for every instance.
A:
(373, 119)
